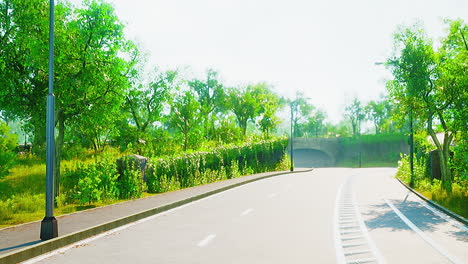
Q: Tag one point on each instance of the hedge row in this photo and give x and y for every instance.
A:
(191, 169)
(107, 180)
(101, 180)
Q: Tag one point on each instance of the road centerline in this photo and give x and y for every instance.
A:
(206, 240)
(272, 195)
(246, 212)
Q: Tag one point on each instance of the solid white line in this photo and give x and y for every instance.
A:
(207, 240)
(421, 234)
(246, 212)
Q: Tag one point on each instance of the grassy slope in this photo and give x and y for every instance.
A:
(22, 197)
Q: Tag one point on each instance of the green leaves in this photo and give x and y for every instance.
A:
(7, 149)
(185, 115)
(433, 84)
(92, 182)
(190, 169)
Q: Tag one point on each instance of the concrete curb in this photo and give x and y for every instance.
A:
(436, 205)
(56, 243)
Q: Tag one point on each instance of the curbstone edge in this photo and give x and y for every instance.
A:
(436, 205)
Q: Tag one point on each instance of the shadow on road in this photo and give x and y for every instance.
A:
(382, 216)
(22, 245)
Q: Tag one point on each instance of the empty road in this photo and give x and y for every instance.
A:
(332, 215)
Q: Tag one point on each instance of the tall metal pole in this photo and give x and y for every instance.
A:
(292, 137)
(49, 223)
(411, 157)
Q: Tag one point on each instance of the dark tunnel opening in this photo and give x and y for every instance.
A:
(311, 158)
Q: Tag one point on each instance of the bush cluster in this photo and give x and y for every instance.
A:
(100, 180)
(191, 169)
(106, 180)
(455, 200)
(7, 147)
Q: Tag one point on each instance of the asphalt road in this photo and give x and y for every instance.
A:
(323, 216)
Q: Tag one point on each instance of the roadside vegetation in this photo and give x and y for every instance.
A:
(430, 87)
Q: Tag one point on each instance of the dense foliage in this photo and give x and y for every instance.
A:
(190, 169)
(7, 149)
(431, 86)
(105, 180)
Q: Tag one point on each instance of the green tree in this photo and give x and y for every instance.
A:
(380, 112)
(315, 125)
(146, 102)
(23, 61)
(302, 110)
(245, 106)
(341, 129)
(453, 77)
(210, 95)
(93, 64)
(269, 104)
(453, 80)
(432, 85)
(355, 113)
(185, 115)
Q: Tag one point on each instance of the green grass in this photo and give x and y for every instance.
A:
(456, 200)
(22, 192)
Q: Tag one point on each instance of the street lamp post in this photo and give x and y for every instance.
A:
(49, 227)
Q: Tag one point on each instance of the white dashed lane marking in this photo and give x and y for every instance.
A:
(206, 240)
(246, 212)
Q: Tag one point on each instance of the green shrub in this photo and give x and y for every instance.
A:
(92, 182)
(225, 162)
(7, 147)
(404, 173)
(130, 181)
(456, 200)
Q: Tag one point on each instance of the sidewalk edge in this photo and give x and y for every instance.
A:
(436, 205)
(56, 243)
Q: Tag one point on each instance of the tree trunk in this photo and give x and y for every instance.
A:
(244, 128)
(445, 162)
(444, 155)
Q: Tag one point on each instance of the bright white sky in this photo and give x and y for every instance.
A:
(326, 48)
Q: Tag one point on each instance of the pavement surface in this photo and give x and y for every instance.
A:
(332, 215)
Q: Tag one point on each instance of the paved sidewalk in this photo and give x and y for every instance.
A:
(20, 237)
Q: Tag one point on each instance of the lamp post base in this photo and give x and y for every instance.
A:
(49, 228)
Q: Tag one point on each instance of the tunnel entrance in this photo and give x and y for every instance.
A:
(311, 158)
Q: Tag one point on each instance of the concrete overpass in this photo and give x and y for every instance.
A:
(315, 152)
